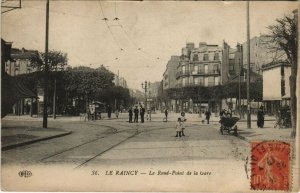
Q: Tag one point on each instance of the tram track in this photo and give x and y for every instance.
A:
(114, 131)
(137, 132)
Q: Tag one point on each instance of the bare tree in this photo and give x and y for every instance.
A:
(284, 36)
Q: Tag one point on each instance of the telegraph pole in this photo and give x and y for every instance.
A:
(46, 69)
(248, 69)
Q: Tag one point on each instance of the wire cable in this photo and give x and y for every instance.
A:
(105, 20)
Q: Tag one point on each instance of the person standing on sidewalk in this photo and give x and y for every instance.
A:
(260, 117)
(207, 115)
(130, 115)
(166, 114)
(142, 113)
(136, 114)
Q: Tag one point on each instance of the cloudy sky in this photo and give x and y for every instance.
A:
(140, 43)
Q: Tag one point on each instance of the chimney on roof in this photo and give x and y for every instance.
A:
(190, 45)
(202, 44)
(238, 47)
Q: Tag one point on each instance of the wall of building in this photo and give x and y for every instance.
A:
(272, 84)
(261, 53)
(20, 63)
(169, 76)
(206, 66)
(287, 74)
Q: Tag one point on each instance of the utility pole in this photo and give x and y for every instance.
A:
(46, 69)
(54, 95)
(248, 69)
(240, 72)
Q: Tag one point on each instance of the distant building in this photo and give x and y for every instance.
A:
(154, 89)
(169, 76)
(235, 60)
(120, 81)
(276, 87)
(20, 62)
(261, 53)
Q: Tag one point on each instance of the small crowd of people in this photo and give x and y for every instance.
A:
(136, 111)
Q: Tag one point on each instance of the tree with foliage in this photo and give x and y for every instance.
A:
(56, 61)
(284, 36)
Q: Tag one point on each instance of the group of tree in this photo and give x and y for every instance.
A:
(81, 85)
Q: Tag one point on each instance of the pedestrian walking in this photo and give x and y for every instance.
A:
(260, 117)
(183, 120)
(130, 115)
(142, 113)
(136, 114)
(207, 115)
(166, 114)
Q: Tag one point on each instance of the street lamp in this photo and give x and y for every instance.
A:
(145, 87)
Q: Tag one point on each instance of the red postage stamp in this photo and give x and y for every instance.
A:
(270, 165)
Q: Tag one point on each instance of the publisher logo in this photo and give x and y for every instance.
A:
(25, 173)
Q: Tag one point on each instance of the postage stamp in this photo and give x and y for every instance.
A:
(270, 165)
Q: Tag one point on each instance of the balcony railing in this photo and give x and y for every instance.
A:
(180, 85)
(182, 73)
(203, 72)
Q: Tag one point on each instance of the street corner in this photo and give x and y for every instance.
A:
(16, 137)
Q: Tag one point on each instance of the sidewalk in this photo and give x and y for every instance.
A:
(15, 136)
(253, 134)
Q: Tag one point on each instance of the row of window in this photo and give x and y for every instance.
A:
(205, 57)
(17, 71)
(17, 63)
(202, 68)
(202, 81)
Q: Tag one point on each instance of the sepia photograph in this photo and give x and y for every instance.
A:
(149, 96)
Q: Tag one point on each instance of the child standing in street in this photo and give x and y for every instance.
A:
(178, 127)
(183, 119)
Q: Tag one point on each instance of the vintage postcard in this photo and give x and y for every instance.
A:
(149, 96)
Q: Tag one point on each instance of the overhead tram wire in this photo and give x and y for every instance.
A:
(108, 27)
(130, 39)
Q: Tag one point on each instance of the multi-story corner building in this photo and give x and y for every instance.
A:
(261, 53)
(20, 62)
(207, 65)
(169, 76)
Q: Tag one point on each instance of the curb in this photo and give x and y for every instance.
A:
(34, 141)
(241, 137)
